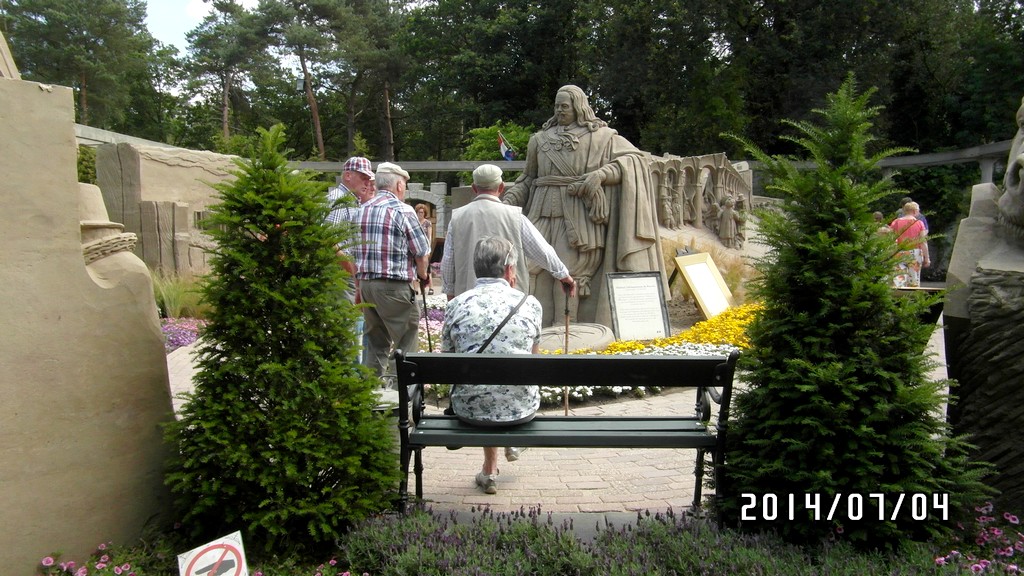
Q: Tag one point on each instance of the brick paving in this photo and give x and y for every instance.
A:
(572, 479)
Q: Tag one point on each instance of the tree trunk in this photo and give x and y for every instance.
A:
(83, 101)
(313, 109)
(387, 130)
(352, 114)
(225, 107)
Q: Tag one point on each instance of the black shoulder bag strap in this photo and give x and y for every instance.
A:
(450, 410)
(502, 325)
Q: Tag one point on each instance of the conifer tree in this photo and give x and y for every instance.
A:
(837, 397)
(279, 439)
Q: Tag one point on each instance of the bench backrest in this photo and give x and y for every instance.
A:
(560, 370)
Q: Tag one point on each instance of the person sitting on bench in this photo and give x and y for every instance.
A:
(495, 318)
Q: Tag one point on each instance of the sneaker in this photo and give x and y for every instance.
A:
(487, 482)
(512, 454)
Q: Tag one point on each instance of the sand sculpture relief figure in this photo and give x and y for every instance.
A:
(668, 216)
(677, 204)
(689, 203)
(675, 196)
(1011, 203)
(729, 222)
(710, 207)
(588, 190)
(667, 209)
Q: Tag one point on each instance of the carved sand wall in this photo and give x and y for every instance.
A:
(436, 197)
(84, 386)
(7, 67)
(159, 194)
(693, 191)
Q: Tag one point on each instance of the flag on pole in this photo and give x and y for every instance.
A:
(507, 151)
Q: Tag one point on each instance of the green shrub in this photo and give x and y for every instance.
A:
(279, 438)
(87, 164)
(837, 398)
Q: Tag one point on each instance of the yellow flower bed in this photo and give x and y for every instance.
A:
(728, 328)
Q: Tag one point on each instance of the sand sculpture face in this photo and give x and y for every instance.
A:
(1011, 203)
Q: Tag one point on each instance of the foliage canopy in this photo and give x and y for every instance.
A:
(280, 437)
(839, 399)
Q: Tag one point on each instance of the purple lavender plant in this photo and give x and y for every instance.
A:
(180, 332)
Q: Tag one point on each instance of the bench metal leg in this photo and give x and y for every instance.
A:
(403, 483)
(698, 484)
(418, 468)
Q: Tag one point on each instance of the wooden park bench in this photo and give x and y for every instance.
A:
(711, 376)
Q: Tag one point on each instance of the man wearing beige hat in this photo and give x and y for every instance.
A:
(487, 216)
(391, 254)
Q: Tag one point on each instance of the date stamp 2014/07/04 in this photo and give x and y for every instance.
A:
(852, 506)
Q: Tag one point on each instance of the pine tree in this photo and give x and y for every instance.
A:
(280, 438)
(838, 398)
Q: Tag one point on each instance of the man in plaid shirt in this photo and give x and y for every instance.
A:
(392, 252)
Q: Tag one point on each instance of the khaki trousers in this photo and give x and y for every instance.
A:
(391, 321)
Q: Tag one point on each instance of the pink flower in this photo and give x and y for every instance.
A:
(941, 561)
(1011, 518)
(101, 547)
(976, 568)
(126, 567)
(83, 571)
(104, 558)
(100, 565)
(117, 570)
(49, 561)
(333, 562)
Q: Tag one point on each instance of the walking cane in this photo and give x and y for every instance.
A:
(565, 389)
(426, 319)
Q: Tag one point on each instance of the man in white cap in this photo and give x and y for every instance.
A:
(487, 216)
(356, 182)
(391, 254)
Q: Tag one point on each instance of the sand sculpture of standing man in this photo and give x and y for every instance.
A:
(588, 190)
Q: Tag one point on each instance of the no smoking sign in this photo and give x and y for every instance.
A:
(222, 557)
